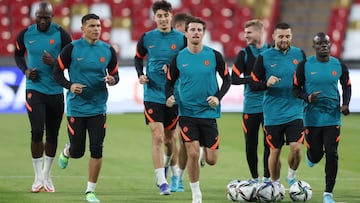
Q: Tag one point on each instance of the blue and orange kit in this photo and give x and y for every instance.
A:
(272, 62)
(160, 48)
(315, 76)
(36, 43)
(196, 75)
(88, 64)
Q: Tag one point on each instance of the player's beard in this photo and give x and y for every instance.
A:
(283, 46)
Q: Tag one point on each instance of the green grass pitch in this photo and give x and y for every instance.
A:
(127, 174)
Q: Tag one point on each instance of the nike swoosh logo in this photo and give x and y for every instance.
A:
(184, 65)
(272, 65)
(79, 59)
(151, 46)
(313, 73)
(31, 41)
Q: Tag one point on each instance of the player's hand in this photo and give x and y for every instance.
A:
(109, 79)
(31, 74)
(213, 101)
(143, 79)
(165, 68)
(170, 101)
(48, 59)
(344, 109)
(272, 81)
(313, 97)
(77, 88)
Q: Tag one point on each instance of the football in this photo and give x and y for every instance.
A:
(267, 192)
(246, 191)
(300, 191)
(281, 193)
(231, 190)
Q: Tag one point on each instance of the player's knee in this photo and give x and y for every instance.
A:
(76, 153)
(52, 139)
(96, 152)
(37, 135)
(211, 157)
(332, 156)
(211, 161)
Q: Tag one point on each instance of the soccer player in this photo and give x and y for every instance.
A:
(160, 45)
(283, 113)
(316, 82)
(179, 22)
(91, 64)
(253, 100)
(195, 68)
(42, 41)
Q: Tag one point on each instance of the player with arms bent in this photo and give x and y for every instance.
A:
(283, 113)
(195, 69)
(92, 64)
(160, 45)
(253, 100)
(43, 41)
(316, 82)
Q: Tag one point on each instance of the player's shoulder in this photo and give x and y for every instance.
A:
(297, 50)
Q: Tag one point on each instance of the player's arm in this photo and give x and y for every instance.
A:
(112, 78)
(65, 38)
(258, 82)
(222, 69)
(20, 49)
(299, 81)
(238, 68)
(63, 62)
(141, 52)
(346, 89)
(172, 76)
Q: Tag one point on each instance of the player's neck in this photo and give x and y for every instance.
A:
(195, 48)
(323, 58)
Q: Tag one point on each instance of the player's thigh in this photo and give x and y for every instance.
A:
(171, 117)
(331, 139)
(154, 112)
(209, 133)
(251, 125)
(77, 135)
(36, 109)
(294, 131)
(54, 113)
(189, 129)
(274, 136)
(96, 126)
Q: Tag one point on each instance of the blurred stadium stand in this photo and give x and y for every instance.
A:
(124, 21)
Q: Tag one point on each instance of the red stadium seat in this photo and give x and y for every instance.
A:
(121, 10)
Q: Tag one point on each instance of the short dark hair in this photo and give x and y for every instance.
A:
(195, 20)
(181, 17)
(321, 35)
(88, 17)
(282, 26)
(164, 5)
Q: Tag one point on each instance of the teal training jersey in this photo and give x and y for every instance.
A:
(160, 48)
(88, 65)
(280, 105)
(323, 77)
(36, 43)
(253, 100)
(197, 80)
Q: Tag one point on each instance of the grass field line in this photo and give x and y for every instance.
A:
(352, 179)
